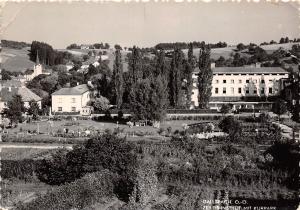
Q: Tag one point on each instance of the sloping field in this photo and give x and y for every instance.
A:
(16, 60)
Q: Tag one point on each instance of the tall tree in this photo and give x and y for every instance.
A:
(279, 107)
(118, 78)
(134, 65)
(175, 82)
(34, 109)
(204, 77)
(161, 67)
(190, 65)
(149, 99)
(140, 98)
(15, 109)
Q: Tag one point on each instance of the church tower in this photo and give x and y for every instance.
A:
(37, 69)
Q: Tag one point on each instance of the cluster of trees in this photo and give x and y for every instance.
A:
(94, 46)
(152, 85)
(257, 55)
(185, 45)
(47, 55)
(14, 44)
(7, 75)
(15, 109)
(287, 40)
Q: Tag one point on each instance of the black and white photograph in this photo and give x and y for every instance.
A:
(149, 105)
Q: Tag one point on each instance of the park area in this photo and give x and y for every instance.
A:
(72, 131)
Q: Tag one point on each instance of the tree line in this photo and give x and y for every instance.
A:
(47, 55)
(185, 45)
(93, 46)
(14, 44)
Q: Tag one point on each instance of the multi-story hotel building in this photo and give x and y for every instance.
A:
(243, 87)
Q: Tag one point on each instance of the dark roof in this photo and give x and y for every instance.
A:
(78, 90)
(26, 94)
(28, 72)
(10, 83)
(249, 70)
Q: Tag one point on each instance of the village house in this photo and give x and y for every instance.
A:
(243, 87)
(10, 88)
(72, 100)
(69, 65)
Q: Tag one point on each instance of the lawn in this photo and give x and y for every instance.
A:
(45, 126)
(16, 59)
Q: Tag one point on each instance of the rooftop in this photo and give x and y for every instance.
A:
(10, 83)
(27, 95)
(78, 90)
(247, 70)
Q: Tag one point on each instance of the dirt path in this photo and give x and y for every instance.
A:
(34, 146)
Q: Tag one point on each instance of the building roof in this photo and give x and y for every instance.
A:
(28, 72)
(78, 90)
(247, 70)
(27, 95)
(10, 83)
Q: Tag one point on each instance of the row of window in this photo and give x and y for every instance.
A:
(247, 90)
(274, 74)
(240, 81)
(73, 109)
(73, 100)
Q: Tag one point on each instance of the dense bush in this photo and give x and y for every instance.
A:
(79, 194)
(100, 152)
(232, 127)
(21, 169)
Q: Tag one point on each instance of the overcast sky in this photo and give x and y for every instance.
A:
(146, 24)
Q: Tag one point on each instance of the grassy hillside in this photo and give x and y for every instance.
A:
(16, 59)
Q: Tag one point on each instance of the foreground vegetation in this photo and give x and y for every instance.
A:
(178, 174)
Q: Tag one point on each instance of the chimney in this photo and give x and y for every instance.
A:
(212, 65)
(89, 83)
(9, 89)
(77, 83)
(257, 65)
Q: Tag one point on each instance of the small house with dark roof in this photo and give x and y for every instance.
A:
(8, 91)
(243, 86)
(72, 100)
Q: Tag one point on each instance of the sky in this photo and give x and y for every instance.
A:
(146, 24)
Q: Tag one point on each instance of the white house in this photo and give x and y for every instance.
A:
(242, 85)
(73, 99)
(69, 65)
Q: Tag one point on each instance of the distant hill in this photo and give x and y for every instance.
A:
(110, 54)
(16, 59)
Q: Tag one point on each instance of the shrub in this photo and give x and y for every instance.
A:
(232, 127)
(76, 195)
(106, 151)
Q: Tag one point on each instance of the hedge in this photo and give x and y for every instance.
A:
(90, 189)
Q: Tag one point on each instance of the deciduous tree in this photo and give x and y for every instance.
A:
(15, 109)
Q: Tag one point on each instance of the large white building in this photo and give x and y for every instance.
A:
(72, 100)
(242, 86)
